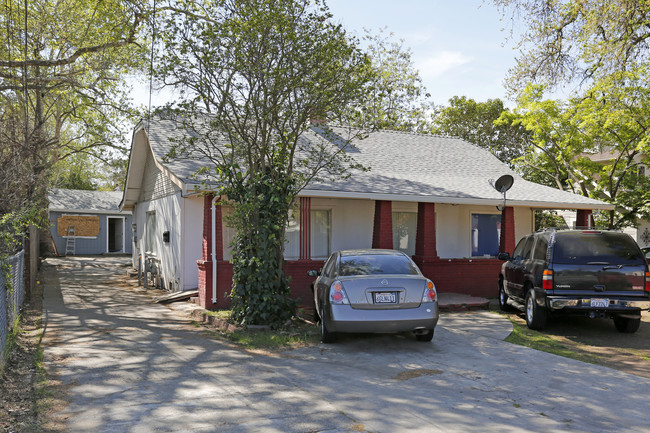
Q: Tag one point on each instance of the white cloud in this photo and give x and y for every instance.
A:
(440, 64)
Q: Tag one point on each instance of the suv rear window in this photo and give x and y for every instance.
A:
(595, 247)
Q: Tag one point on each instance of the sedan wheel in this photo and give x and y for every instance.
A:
(427, 336)
(325, 335)
(536, 316)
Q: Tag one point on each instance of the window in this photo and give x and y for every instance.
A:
(486, 230)
(320, 233)
(227, 231)
(328, 270)
(540, 248)
(377, 264)
(528, 249)
(519, 248)
(404, 231)
(292, 236)
(150, 233)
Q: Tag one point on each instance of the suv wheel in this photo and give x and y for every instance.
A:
(503, 298)
(626, 325)
(536, 316)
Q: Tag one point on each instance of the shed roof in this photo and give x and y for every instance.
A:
(83, 201)
(403, 167)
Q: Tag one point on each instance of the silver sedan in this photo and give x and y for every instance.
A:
(376, 291)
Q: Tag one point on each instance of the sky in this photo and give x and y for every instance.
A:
(459, 47)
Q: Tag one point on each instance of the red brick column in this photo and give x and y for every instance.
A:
(305, 228)
(425, 241)
(507, 239)
(382, 231)
(218, 232)
(205, 264)
(584, 218)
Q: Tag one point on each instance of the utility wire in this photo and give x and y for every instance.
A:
(153, 41)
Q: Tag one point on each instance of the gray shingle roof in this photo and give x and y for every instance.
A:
(74, 200)
(405, 166)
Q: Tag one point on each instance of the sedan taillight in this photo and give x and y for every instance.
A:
(647, 282)
(337, 294)
(547, 280)
(430, 294)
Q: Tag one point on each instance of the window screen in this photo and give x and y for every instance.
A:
(320, 233)
(486, 229)
(404, 231)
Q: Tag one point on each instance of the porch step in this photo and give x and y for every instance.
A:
(461, 302)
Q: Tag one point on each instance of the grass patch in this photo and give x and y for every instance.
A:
(296, 333)
(524, 336)
(10, 343)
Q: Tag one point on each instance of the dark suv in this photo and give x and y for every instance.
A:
(597, 273)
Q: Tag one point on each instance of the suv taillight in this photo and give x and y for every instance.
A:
(647, 282)
(547, 280)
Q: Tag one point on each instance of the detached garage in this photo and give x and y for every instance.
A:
(88, 222)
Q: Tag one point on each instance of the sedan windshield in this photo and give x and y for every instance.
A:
(377, 264)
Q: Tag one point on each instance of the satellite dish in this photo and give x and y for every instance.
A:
(504, 183)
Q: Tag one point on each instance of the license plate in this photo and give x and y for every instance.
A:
(600, 303)
(385, 298)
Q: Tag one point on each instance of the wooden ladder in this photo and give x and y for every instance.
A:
(70, 241)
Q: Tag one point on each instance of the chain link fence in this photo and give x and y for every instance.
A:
(11, 296)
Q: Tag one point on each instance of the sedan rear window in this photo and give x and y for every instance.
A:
(596, 247)
(377, 264)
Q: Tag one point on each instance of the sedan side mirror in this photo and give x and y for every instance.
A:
(313, 273)
(504, 256)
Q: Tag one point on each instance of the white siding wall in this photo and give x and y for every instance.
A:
(524, 222)
(643, 234)
(453, 230)
(351, 222)
(168, 218)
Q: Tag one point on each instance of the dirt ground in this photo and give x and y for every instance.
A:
(20, 377)
(597, 341)
(26, 401)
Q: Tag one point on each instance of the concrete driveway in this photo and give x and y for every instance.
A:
(128, 365)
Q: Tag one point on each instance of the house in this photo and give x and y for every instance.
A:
(88, 222)
(606, 157)
(426, 195)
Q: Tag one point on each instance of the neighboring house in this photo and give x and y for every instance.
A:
(88, 222)
(426, 195)
(641, 232)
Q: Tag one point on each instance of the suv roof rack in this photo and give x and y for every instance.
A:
(576, 228)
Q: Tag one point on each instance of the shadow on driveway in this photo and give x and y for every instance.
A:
(128, 365)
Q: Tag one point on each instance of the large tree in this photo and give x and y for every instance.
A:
(565, 42)
(62, 72)
(475, 122)
(592, 146)
(599, 50)
(254, 74)
(397, 99)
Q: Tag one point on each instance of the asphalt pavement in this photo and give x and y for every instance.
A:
(129, 365)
